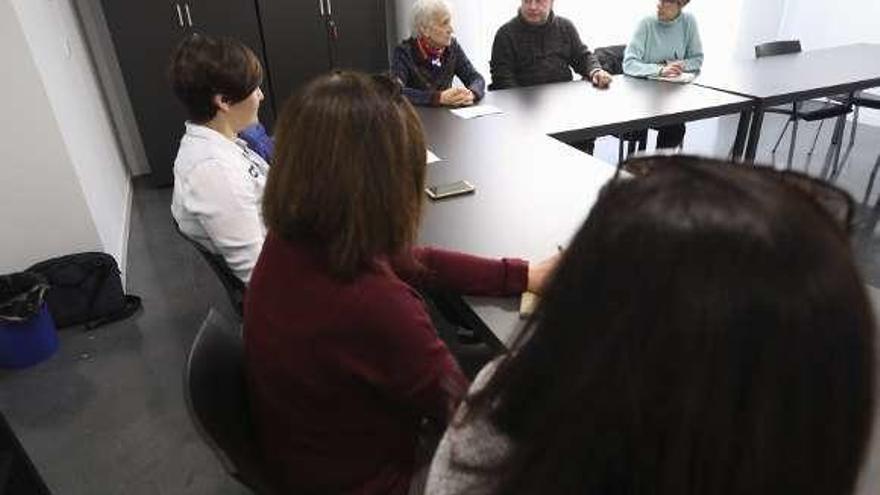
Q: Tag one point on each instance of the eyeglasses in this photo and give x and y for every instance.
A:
(835, 201)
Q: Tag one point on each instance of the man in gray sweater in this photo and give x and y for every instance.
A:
(539, 47)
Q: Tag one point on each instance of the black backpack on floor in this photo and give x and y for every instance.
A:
(85, 288)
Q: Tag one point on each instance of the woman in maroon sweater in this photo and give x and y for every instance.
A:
(344, 364)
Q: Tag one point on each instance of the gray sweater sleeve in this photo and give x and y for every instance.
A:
(503, 60)
(469, 453)
(634, 57)
(693, 60)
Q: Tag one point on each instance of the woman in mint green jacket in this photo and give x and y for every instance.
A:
(667, 44)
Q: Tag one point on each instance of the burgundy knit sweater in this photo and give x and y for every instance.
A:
(342, 373)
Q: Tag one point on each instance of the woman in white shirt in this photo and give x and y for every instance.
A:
(218, 180)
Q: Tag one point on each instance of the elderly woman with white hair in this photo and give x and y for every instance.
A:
(427, 62)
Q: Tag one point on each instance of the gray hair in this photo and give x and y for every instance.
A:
(425, 11)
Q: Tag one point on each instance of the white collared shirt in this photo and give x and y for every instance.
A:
(218, 189)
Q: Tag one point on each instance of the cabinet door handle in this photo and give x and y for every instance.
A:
(189, 18)
(321, 7)
(179, 14)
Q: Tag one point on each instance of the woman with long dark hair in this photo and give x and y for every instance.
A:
(705, 333)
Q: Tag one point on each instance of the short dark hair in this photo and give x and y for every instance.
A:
(705, 332)
(204, 66)
(349, 170)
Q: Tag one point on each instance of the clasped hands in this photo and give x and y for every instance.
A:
(673, 68)
(457, 97)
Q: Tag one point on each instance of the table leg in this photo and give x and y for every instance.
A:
(832, 158)
(742, 132)
(754, 133)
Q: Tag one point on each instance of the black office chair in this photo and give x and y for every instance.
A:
(808, 110)
(611, 59)
(235, 288)
(859, 100)
(215, 388)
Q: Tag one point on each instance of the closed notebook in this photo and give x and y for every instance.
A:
(683, 78)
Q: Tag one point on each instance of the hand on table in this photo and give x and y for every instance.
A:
(540, 273)
(601, 79)
(672, 69)
(457, 97)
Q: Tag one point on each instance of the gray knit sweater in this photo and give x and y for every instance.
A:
(468, 453)
(526, 55)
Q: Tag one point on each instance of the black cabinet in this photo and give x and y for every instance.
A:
(296, 40)
(361, 39)
(306, 38)
(296, 43)
(144, 34)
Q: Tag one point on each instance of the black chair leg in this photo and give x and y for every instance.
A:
(781, 135)
(855, 125)
(794, 135)
(816, 139)
(871, 183)
(837, 168)
(833, 150)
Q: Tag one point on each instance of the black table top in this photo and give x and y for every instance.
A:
(787, 78)
(532, 194)
(572, 111)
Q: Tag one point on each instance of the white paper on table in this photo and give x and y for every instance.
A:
(683, 78)
(432, 158)
(475, 111)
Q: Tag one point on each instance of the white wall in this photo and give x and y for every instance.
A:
(759, 23)
(42, 208)
(61, 157)
(821, 24)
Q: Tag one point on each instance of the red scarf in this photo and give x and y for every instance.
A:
(434, 55)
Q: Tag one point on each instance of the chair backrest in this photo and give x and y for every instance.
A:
(235, 288)
(868, 100)
(216, 395)
(773, 48)
(611, 58)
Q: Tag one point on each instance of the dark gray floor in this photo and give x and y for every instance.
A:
(106, 414)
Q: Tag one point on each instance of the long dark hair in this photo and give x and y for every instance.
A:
(705, 333)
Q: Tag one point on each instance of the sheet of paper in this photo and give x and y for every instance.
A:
(527, 304)
(432, 158)
(683, 78)
(475, 111)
